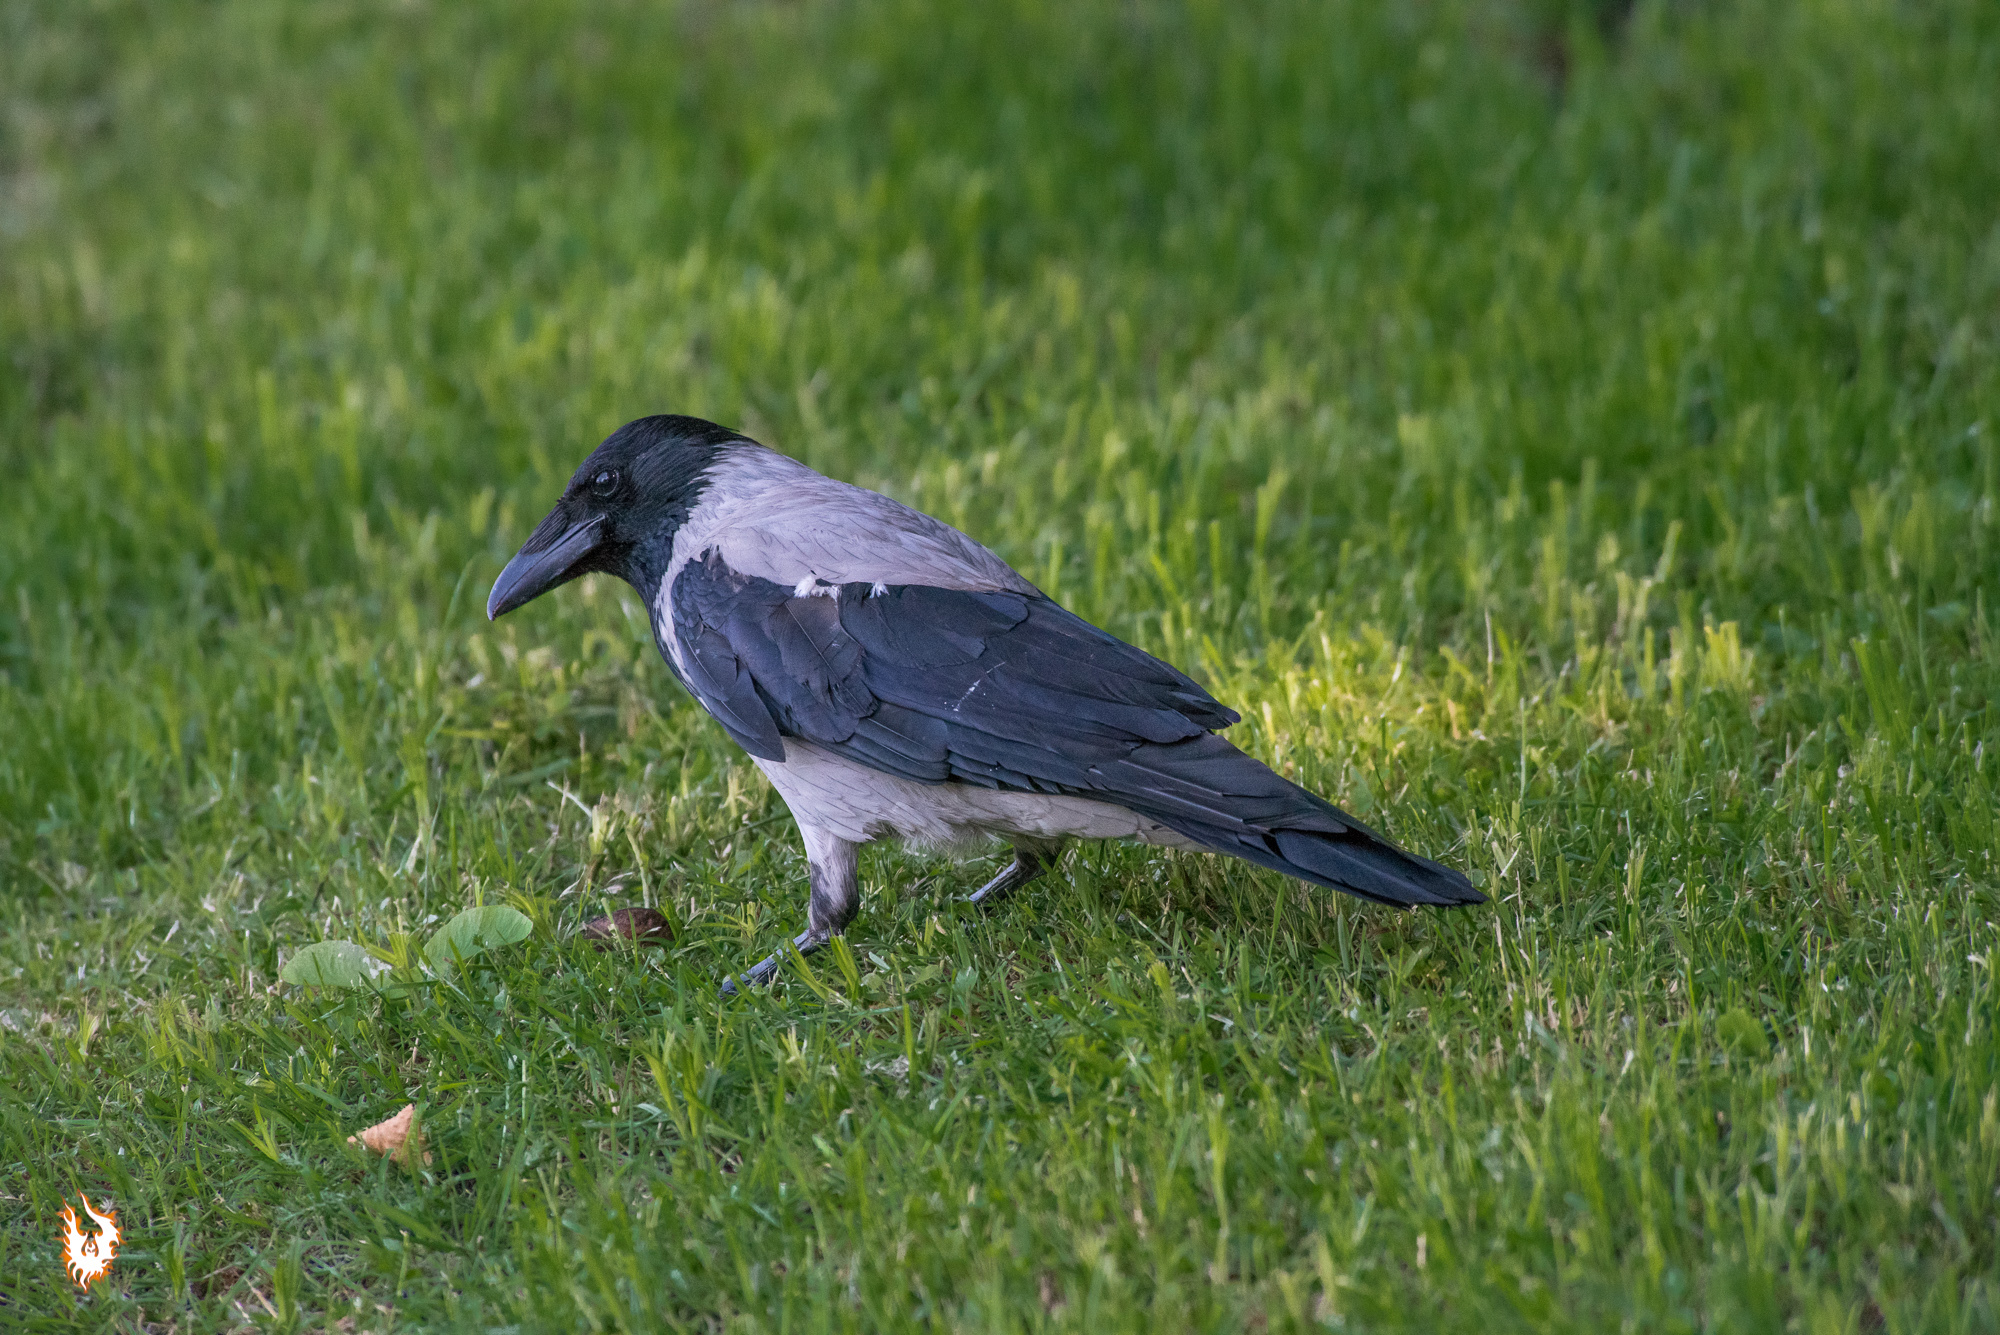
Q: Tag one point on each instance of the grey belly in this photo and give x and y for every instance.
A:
(854, 802)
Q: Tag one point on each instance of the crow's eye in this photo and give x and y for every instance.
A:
(605, 482)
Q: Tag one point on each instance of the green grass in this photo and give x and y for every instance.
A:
(1572, 441)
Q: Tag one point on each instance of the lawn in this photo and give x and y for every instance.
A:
(1570, 436)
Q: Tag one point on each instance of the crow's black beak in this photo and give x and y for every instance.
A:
(544, 562)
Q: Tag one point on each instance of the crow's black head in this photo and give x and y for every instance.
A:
(620, 511)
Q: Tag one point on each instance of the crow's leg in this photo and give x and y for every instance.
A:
(833, 865)
(1032, 857)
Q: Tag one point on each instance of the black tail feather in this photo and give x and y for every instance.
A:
(1206, 790)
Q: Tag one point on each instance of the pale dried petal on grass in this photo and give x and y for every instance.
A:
(394, 1137)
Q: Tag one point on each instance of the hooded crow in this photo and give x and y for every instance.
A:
(894, 679)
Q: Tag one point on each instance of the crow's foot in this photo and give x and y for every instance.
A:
(765, 969)
(1029, 862)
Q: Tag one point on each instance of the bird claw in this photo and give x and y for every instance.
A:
(1016, 874)
(1028, 863)
(764, 970)
(756, 976)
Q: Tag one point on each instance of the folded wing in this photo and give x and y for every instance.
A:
(1010, 691)
(1001, 689)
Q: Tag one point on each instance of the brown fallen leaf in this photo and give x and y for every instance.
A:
(394, 1137)
(646, 926)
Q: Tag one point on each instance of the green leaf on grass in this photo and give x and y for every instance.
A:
(474, 930)
(332, 964)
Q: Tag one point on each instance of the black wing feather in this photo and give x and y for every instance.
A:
(716, 676)
(1008, 690)
(932, 684)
